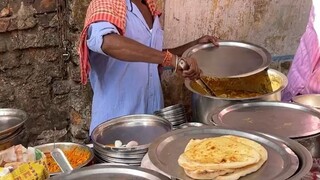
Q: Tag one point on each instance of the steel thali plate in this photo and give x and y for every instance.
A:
(231, 59)
(282, 162)
(112, 172)
(276, 118)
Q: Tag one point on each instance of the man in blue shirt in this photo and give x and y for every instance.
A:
(124, 67)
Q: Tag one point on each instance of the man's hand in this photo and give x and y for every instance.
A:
(194, 71)
(208, 39)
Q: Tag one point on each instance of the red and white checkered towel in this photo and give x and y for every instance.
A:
(113, 11)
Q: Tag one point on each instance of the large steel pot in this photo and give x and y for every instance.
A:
(204, 106)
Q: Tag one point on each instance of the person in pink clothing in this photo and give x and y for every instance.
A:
(304, 73)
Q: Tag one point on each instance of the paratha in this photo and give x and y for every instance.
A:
(207, 174)
(217, 153)
(222, 158)
(248, 169)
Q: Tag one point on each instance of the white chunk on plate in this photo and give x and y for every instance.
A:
(132, 144)
(117, 143)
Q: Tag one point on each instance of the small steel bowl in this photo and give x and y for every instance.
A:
(312, 100)
(45, 148)
(11, 120)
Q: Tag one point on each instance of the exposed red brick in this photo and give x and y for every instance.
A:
(75, 118)
(4, 24)
(44, 5)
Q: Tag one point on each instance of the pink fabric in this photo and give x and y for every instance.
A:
(304, 74)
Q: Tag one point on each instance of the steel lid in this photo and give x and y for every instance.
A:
(276, 118)
(111, 172)
(231, 59)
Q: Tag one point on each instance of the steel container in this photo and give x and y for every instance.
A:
(175, 114)
(17, 137)
(204, 106)
(11, 120)
(141, 128)
(47, 148)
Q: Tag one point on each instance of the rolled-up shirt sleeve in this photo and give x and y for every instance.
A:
(96, 32)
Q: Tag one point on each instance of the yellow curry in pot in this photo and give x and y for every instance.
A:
(244, 87)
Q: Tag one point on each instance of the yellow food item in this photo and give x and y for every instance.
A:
(244, 87)
(28, 170)
(75, 156)
(218, 152)
(224, 158)
(248, 169)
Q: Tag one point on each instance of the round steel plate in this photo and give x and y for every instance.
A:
(282, 162)
(112, 172)
(276, 118)
(231, 59)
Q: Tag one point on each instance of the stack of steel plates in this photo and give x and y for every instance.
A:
(143, 129)
(11, 127)
(121, 155)
(176, 114)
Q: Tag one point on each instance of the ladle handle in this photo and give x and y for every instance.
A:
(185, 66)
(61, 160)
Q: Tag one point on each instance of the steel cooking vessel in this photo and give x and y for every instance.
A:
(204, 106)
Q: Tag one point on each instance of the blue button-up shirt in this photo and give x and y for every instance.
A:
(119, 87)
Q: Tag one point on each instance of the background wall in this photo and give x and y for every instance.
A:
(39, 70)
(276, 25)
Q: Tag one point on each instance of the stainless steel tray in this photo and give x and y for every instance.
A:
(282, 162)
(305, 158)
(231, 59)
(276, 118)
(111, 172)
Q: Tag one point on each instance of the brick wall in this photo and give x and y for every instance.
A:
(35, 77)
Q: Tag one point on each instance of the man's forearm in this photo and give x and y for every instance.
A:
(126, 49)
(181, 49)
